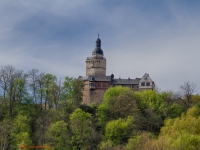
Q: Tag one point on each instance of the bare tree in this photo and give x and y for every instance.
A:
(56, 92)
(6, 74)
(34, 76)
(16, 88)
(40, 82)
(188, 90)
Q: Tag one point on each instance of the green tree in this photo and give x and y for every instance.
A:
(72, 91)
(174, 105)
(19, 92)
(118, 102)
(139, 142)
(120, 130)
(58, 136)
(20, 132)
(181, 133)
(4, 107)
(175, 110)
(195, 99)
(151, 99)
(106, 145)
(81, 128)
(153, 107)
(48, 86)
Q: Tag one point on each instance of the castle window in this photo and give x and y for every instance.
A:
(104, 85)
(143, 84)
(99, 84)
(92, 85)
(148, 84)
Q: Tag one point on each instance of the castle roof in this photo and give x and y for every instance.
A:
(108, 79)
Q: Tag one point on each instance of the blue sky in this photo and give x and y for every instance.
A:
(161, 38)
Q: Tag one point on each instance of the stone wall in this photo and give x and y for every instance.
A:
(92, 96)
(96, 96)
(96, 67)
(86, 93)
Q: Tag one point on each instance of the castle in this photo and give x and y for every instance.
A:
(96, 82)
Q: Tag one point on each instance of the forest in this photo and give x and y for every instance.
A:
(38, 109)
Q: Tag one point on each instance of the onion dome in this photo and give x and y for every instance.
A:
(98, 49)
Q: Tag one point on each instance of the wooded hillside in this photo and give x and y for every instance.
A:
(39, 109)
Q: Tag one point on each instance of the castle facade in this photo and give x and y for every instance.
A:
(96, 82)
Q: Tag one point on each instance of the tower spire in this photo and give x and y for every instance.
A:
(98, 49)
(98, 42)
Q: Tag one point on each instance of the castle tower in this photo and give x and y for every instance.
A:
(96, 65)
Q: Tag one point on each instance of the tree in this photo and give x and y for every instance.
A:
(6, 80)
(106, 145)
(56, 93)
(140, 142)
(153, 109)
(174, 104)
(195, 99)
(188, 90)
(20, 132)
(48, 84)
(57, 136)
(81, 128)
(17, 91)
(5, 127)
(33, 82)
(72, 91)
(42, 124)
(5, 77)
(120, 130)
(118, 102)
(41, 92)
(182, 132)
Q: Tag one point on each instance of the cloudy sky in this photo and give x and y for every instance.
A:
(159, 37)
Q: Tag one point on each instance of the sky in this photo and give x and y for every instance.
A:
(161, 38)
